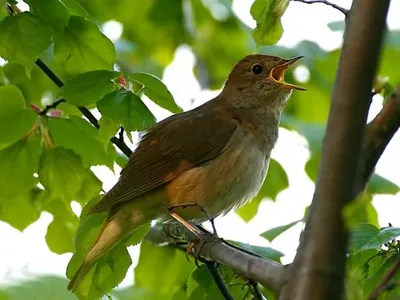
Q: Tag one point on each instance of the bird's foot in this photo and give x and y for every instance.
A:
(196, 246)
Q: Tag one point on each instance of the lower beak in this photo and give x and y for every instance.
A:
(278, 72)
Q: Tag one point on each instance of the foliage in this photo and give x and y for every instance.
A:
(58, 151)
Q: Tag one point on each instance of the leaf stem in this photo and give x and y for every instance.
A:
(215, 273)
(50, 106)
(339, 8)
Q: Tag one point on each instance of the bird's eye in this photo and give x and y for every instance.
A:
(257, 69)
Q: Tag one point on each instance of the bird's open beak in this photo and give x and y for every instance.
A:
(278, 73)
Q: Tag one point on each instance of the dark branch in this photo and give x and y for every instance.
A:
(319, 266)
(339, 8)
(386, 284)
(51, 106)
(92, 119)
(216, 275)
(256, 291)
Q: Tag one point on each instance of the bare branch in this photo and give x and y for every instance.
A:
(319, 266)
(251, 266)
(339, 8)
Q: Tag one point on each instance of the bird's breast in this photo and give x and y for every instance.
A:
(222, 184)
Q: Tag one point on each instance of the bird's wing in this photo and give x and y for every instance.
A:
(170, 148)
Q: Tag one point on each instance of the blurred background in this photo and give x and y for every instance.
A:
(192, 45)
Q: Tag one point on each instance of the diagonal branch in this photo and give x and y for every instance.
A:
(339, 8)
(92, 119)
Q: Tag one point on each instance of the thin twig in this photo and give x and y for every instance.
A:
(121, 134)
(216, 275)
(51, 106)
(339, 8)
(386, 284)
(256, 292)
(92, 119)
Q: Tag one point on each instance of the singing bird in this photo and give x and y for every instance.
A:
(215, 156)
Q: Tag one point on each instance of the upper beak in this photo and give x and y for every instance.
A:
(278, 72)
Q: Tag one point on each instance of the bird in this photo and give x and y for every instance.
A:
(213, 158)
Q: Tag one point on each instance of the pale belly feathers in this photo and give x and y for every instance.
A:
(222, 184)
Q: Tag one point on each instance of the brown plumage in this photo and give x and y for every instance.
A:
(216, 156)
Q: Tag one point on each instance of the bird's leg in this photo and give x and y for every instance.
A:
(202, 235)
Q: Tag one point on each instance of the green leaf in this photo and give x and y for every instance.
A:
(87, 88)
(61, 172)
(380, 185)
(19, 162)
(155, 89)
(91, 187)
(124, 107)
(81, 47)
(61, 230)
(360, 210)
(271, 234)
(138, 235)
(11, 99)
(267, 14)
(275, 182)
(267, 252)
(366, 236)
(21, 210)
(53, 12)
(164, 281)
(84, 142)
(108, 129)
(23, 38)
(19, 123)
(75, 8)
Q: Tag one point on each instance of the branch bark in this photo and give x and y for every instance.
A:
(319, 266)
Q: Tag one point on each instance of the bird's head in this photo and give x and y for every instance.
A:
(259, 80)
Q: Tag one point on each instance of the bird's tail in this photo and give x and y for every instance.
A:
(115, 229)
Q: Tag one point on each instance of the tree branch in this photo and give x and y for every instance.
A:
(319, 266)
(92, 119)
(339, 8)
(251, 266)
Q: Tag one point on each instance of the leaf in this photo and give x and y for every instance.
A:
(124, 107)
(164, 281)
(19, 162)
(20, 210)
(61, 230)
(87, 88)
(108, 129)
(91, 188)
(23, 38)
(138, 235)
(61, 172)
(267, 252)
(273, 233)
(155, 89)
(75, 8)
(275, 182)
(380, 185)
(19, 122)
(267, 14)
(53, 12)
(84, 141)
(360, 210)
(11, 99)
(366, 236)
(81, 47)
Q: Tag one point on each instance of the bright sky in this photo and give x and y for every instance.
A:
(25, 254)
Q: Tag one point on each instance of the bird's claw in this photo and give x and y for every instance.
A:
(197, 245)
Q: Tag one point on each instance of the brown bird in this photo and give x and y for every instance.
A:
(215, 156)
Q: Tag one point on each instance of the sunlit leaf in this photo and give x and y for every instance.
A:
(11, 99)
(89, 87)
(124, 107)
(19, 162)
(267, 252)
(84, 142)
(273, 233)
(20, 210)
(381, 185)
(23, 38)
(53, 12)
(267, 14)
(81, 47)
(19, 123)
(59, 166)
(360, 210)
(155, 89)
